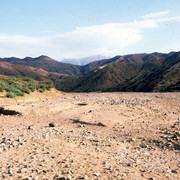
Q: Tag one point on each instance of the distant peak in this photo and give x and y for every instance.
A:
(43, 57)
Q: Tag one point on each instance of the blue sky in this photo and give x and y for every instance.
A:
(79, 28)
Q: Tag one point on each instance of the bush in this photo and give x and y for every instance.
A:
(17, 92)
(163, 88)
(41, 90)
(10, 95)
(49, 85)
(26, 90)
(2, 86)
(18, 86)
(1, 89)
(31, 86)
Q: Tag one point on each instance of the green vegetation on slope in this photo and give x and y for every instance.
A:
(15, 86)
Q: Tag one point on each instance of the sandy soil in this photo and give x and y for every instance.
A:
(95, 136)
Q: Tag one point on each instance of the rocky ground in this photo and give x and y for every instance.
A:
(92, 136)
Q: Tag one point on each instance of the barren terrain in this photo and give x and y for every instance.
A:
(91, 136)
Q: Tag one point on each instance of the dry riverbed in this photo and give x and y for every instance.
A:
(91, 136)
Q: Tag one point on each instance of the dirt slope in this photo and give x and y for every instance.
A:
(95, 136)
(32, 97)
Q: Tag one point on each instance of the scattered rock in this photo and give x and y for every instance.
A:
(64, 178)
(97, 174)
(30, 127)
(52, 124)
(174, 171)
(82, 104)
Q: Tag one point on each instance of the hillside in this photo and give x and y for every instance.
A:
(154, 74)
(135, 72)
(45, 63)
(15, 86)
(101, 79)
(51, 65)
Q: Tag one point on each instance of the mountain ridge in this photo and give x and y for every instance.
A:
(134, 72)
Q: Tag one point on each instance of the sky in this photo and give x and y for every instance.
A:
(64, 29)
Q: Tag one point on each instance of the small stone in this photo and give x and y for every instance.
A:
(67, 166)
(69, 177)
(63, 178)
(9, 171)
(97, 174)
(142, 170)
(35, 178)
(98, 149)
(52, 124)
(128, 164)
(19, 171)
(174, 171)
(110, 168)
(85, 177)
(44, 171)
(30, 127)
(19, 139)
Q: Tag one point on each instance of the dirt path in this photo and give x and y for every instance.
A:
(95, 136)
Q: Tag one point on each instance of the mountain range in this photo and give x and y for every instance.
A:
(134, 72)
(84, 61)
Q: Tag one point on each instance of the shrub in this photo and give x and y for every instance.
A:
(41, 90)
(2, 86)
(18, 86)
(31, 86)
(27, 79)
(163, 88)
(10, 95)
(17, 92)
(49, 85)
(26, 90)
(1, 89)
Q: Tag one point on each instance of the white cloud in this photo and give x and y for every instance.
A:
(107, 39)
(156, 15)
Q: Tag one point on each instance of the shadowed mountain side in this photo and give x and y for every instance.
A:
(102, 79)
(156, 75)
(170, 80)
(132, 58)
